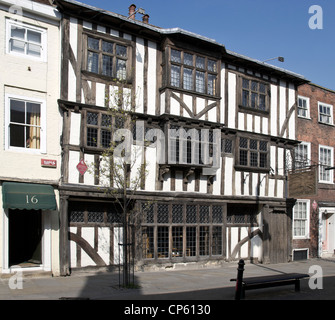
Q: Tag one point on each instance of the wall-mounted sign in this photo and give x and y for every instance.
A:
(82, 167)
(48, 163)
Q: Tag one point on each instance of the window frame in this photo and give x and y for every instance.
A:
(266, 93)
(249, 150)
(115, 57)
(26, 26)
(306, 219)
(323, 166)
(330, 116)
(43, 124)
(305, 161)
(307, 109)
(182, 66)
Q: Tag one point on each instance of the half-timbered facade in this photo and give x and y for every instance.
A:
(218, 127)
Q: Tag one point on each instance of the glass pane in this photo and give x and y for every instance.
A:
(211, 66)
(253, 159)
(253, 144)
(16, 136)
(106, 136)
(200, 62)
(254, 86)
(262, 88)
(107, 47)
(245, 98)
(262, 102)
(243, 143)
(106, 120)
(92, 118)
(34, 50)
(175, 76)
(33, 36)
(93, 43)
(121, 67)
(254, 98)
(163, 242)
(217, 240)
(33, 137)
(188, 59)
(175, 56)
(33, 114)
(121, 51)
(18, 33)
(17, 111)
(211, 84)
(200, 82)
(245, 84)
(188, 79)
(177, 241)
(107, 65)
(17, 46)
(93, 62)
(191, 241)
(243, 157)
(204, 241)
(148, 242)
(92, 137)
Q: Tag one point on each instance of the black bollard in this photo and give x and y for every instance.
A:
(238, 288)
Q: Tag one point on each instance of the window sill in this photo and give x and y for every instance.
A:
(190, 92)
(253, 110)
(251, 169)
(326, 124)
(26, 150)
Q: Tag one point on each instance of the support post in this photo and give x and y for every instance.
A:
(239, 279)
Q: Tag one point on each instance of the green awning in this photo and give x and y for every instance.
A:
(28, 196)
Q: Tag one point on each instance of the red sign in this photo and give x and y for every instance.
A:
(49, 163)
(82, 167)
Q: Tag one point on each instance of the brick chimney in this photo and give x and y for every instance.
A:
(145, 18)
(132, 9)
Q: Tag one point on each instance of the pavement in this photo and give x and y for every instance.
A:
(180, 283)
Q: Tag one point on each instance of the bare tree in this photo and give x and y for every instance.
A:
(121, 170)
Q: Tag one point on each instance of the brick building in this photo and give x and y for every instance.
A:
(313, 219)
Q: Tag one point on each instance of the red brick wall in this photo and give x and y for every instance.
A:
(310, 130)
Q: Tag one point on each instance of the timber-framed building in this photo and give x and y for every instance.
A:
(199, 212)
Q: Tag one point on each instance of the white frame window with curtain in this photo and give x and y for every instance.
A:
(26, 40)
(25, 124)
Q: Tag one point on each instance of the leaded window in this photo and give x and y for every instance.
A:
(253, 153)
(254, 94)
(193, 72)
(107, 58)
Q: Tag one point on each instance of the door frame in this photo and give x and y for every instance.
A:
(45, 244)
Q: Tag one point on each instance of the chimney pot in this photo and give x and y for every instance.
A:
(145, 18)
(132, 9)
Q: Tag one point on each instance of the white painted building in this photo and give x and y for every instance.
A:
(30, 130)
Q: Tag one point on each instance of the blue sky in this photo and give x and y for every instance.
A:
(260, 29)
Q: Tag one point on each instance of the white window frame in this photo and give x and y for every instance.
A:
(308, 155)
(9, 23)
(307, 107)
(331, 179)
(8, 98)
(307, 225)
(331, 119)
